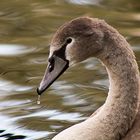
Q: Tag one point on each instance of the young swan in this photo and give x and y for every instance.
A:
(86, 37)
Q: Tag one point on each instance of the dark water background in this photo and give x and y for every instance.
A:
(26, 27)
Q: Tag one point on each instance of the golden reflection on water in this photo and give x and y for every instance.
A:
(26, 28)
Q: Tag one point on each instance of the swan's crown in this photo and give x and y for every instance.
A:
(79, 38)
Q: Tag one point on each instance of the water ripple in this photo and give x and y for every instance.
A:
(13, 49)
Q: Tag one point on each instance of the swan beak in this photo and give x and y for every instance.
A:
(53, 71)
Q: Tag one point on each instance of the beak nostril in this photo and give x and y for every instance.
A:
(51, 63)
(51, 67)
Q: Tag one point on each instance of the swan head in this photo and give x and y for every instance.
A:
(73, 42)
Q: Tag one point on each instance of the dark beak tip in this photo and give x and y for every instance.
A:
(39, 92)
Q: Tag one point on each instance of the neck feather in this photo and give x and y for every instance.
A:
(121, 106)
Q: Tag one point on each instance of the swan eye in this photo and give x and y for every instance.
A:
(68, 40)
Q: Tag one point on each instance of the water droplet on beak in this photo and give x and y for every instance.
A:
(38, 100)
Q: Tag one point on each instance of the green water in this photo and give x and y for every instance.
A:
(26, 27)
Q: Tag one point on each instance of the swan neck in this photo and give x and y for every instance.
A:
(121, 106)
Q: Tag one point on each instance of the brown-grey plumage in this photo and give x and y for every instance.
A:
(86, 37)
